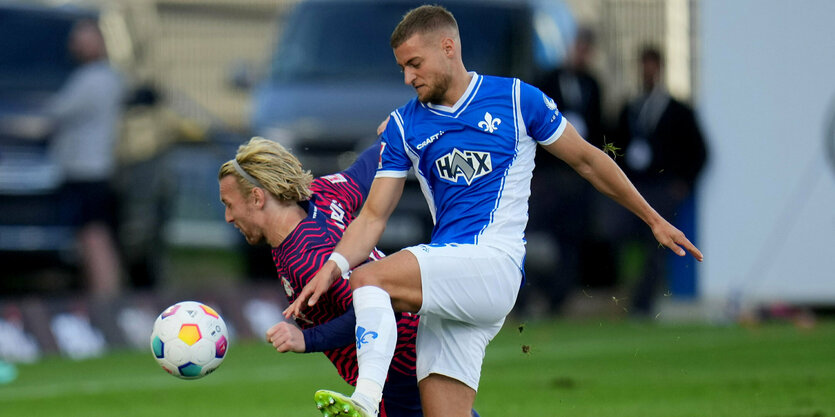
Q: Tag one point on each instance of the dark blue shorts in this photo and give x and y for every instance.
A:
(401, 397)
(88, 202)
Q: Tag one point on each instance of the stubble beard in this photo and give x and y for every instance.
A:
(437, 91)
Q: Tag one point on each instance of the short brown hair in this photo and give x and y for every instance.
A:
(278, 170)
(423, 19)
(651, 53)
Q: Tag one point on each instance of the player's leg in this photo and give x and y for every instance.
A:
(450, 355)
(442, 396)
(376, 286)
(398, 275)
(467, 292)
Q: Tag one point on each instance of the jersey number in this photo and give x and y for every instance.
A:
(338, 214)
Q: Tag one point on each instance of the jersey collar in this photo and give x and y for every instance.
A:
(461, 104)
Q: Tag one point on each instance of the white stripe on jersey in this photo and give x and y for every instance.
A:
(424, 183)
(398, 120)
(510, 215)
(557, 134)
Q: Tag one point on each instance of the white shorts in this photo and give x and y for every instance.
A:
(468, 290)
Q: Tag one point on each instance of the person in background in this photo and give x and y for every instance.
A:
(663, 152)
(87, 112)
(557, 192)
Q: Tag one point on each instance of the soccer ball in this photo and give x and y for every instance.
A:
(189, 340)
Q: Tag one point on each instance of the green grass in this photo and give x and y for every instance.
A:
(590, 368)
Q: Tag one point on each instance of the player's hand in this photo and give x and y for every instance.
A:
(669, 236)
(314, 289)
(286, 338)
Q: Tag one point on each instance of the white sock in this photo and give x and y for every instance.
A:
(368, 395)
(376, 332)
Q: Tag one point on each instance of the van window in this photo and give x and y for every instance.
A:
(351, 40)
(33, 50)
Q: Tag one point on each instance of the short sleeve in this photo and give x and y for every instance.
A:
(365, 167)
(543, 120)
(394, 162)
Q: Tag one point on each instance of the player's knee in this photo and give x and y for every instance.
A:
(362, 277)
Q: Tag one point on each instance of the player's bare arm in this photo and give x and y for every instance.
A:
(357, 242)
(607, 177)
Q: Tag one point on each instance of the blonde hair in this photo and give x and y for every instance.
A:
(277, 170)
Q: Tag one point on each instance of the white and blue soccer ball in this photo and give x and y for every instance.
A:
(189, 340)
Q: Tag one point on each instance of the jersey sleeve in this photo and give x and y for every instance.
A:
(363, 169)
(333, 334)
(350, 187)
(542, 118)
(394, 161)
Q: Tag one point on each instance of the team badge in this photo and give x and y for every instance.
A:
(288, 289)
(335, 178)
(549, 102)
(489, 124)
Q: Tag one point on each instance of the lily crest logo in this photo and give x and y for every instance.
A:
(467, 164)
(489, 124)
(363, 335)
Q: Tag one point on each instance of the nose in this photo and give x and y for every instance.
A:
(408, 76)
(228, 216)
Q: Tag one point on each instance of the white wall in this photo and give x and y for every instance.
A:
(767, 200)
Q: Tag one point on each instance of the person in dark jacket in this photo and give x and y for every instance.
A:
(557, 192)
(662, 149)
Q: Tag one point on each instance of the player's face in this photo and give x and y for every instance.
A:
(239, 210)
(425, 67)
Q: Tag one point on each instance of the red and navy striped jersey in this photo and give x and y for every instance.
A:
(335, 201)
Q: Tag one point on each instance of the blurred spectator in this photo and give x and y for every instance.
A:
(663, 152)
(557, 192)
(575, 89)
(87, 112)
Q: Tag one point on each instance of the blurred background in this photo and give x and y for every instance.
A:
(722, 112)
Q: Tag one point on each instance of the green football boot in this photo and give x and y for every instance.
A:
(334, 404)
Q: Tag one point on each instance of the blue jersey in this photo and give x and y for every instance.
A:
(474, 160)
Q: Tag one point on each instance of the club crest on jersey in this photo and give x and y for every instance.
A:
(489, 124)
(467, 164)
(288, 289)
(549, 102)
(335, 178)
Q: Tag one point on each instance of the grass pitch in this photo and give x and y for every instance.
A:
(553, 368)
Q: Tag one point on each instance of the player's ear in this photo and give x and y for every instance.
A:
(448, 45)
(259, 197)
